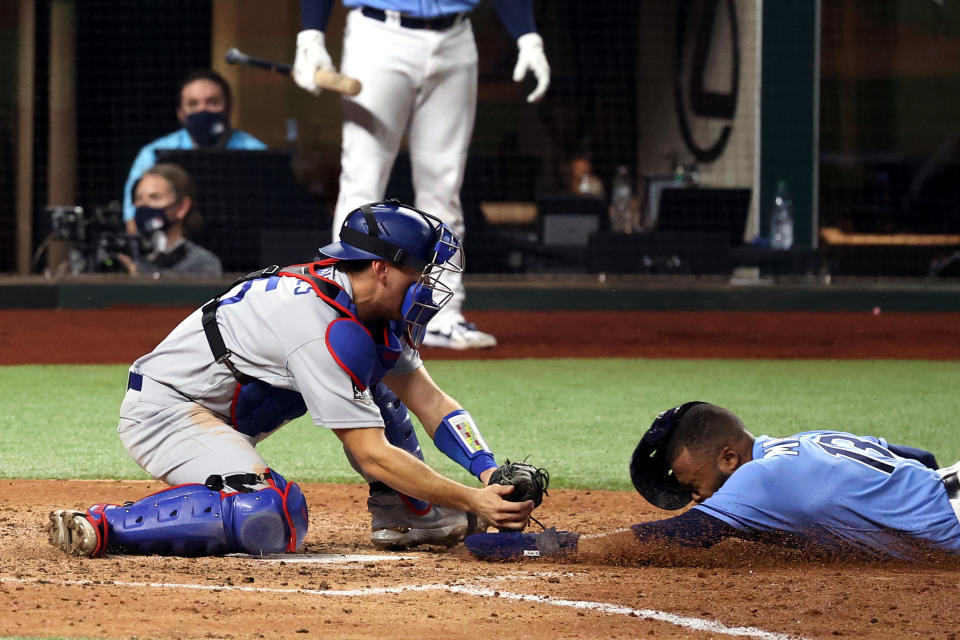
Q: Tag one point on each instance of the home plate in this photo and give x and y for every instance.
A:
(322, 558)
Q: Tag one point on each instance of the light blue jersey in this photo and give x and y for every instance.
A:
(179, 139)
(839, 490)
(417, 8)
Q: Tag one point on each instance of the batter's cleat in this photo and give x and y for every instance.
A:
(400, 522)
(510, 545)
(458, 335)
(70, 531)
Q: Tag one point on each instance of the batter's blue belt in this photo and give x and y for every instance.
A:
(440, 23)
(135, 381)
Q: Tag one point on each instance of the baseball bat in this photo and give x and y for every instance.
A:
(329, 80)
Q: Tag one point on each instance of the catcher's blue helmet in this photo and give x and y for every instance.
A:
(649, 471)
(392, 231)
(411, 238)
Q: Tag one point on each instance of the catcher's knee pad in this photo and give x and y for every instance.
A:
(194, 520)
(271, 520)
(396, 420)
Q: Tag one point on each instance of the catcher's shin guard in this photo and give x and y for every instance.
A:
(195, 520)
(271, 520)
(399, 521)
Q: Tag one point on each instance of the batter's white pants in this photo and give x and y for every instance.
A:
(416, 82)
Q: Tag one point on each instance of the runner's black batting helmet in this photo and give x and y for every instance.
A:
(649, 471)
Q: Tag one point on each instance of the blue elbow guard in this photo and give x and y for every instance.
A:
(460, 439)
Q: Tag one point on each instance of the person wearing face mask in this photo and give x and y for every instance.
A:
(204, 113)
(163, 200)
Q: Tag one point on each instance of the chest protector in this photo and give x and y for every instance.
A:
(365, 354)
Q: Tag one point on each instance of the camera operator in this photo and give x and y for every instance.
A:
(164, 198)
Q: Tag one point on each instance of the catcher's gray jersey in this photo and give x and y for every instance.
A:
(275, 328)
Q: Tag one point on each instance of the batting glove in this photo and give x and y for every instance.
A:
(532, 58)
(311, 56)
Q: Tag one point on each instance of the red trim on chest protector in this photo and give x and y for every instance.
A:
(318, 283)
(312, 278)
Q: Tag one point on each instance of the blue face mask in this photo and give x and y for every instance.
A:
(418, 309)
(206, 127)
(150, 220)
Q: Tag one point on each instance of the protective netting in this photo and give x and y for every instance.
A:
(643, 157)
(890, 116)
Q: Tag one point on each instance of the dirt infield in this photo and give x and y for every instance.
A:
(732, 590)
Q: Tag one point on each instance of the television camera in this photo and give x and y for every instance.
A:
(95, 237)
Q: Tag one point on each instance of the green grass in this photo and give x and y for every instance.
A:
(578, 418)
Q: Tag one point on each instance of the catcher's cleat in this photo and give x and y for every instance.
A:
(510, 545)
(71, 532)
(401, 523)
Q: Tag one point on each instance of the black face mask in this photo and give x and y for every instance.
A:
(206, 127)
(150, 220)
(151, 223)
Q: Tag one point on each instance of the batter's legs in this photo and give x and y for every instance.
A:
(440, 130)
(388, 61)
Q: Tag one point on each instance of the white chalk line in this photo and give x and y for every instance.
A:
(687, 622)
(587, 536)
(321, 558)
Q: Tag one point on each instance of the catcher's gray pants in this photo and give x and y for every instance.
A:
(179, 441)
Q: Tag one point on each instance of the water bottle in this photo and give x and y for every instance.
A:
(781, 218)
(621, 204)
(583, 187)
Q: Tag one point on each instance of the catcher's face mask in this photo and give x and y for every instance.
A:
(649, 471)
(429, 294)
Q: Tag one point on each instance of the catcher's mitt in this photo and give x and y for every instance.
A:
(529, 482)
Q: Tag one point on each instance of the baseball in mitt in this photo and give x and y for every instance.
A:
(529, 482)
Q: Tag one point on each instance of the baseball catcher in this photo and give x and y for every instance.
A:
(830, 493)
(336, 339)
